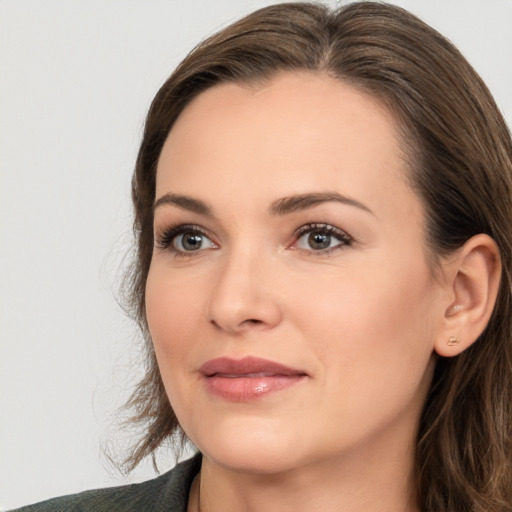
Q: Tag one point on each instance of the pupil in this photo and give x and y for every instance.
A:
(319, 240)
(192, 242)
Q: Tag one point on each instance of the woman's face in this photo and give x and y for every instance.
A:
(290, 301)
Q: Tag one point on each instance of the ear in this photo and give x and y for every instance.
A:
(473, 278)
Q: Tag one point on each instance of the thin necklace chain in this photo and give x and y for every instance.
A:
(199, 509)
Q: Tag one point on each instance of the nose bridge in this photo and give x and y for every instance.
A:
(243, 297)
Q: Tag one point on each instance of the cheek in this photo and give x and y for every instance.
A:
(173, 309)
(373, 322)
(374, 340)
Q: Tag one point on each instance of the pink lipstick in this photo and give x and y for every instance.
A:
(249, 378)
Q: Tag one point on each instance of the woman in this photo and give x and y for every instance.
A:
(322, 210)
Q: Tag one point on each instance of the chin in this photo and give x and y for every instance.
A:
(250, 447)
(253, 461)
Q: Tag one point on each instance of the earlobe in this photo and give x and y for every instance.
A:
(474, 277)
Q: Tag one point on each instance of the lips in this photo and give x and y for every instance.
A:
(248, 378)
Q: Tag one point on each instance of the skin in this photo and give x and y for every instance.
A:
(361, 320)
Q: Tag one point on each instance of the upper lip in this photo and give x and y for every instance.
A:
(247, 366)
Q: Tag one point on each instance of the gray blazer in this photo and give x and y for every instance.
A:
(166, 493)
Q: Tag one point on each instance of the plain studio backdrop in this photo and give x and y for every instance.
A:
(76, 79)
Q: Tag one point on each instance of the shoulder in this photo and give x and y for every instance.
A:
(166, 493)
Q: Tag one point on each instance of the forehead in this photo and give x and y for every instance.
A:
(295, 133)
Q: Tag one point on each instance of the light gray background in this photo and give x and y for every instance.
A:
(76, 78)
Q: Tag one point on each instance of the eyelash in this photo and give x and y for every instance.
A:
(166, 239)
(345, 240)
(169, 235)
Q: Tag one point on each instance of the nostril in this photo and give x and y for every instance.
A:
(249, 321)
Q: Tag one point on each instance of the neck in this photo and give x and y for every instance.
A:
(357, 482)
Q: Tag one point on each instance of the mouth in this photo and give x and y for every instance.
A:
(249, 378)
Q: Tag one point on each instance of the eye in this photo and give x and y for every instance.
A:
(191, 241)
(185, 239)
(321, 238)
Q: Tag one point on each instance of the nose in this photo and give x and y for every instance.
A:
(245, 296)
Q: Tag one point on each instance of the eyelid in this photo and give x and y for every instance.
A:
(164, 238)
(344, 238)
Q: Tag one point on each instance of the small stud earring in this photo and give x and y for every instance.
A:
(453, 340)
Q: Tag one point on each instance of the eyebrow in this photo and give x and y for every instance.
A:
(184, 202)
(282, 206)
(304, 201)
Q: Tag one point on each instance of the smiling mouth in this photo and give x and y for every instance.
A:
(249, 378)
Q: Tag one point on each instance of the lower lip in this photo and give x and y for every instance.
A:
(244, 389)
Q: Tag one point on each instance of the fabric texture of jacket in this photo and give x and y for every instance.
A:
(166, 493)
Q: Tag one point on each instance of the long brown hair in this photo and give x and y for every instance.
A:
(460, 159)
